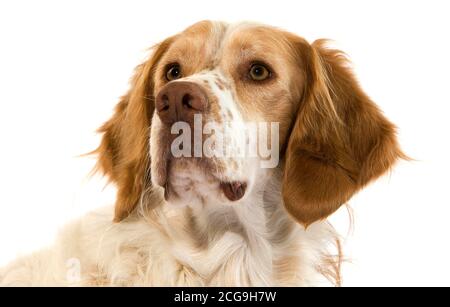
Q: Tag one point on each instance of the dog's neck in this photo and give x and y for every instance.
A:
(248, 218)
(242, 241)
(252, 242)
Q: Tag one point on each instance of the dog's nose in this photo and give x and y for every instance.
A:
(179, 101)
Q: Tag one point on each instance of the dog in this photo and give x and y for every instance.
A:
(190, 215)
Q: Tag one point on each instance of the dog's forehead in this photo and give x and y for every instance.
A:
(210, 41)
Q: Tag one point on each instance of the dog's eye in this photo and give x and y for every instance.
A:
(259, 72)
(173, 72)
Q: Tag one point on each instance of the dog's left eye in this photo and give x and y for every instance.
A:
(259, 72)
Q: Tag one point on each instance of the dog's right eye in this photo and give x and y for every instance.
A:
(173, 72)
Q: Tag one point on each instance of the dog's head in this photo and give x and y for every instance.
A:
(217, 102)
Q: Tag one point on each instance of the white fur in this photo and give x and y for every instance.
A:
(154, 248)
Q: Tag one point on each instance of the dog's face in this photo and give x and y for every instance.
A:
(206, 91)
(231, 78)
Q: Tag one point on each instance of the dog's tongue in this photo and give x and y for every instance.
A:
(233, 190)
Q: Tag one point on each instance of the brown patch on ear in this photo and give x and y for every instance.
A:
(340, 140)
(123, 154)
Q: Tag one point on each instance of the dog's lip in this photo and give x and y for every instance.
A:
(233, 190)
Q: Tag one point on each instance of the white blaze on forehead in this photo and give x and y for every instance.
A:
(221, 33)
(239, 26)
(215, 41)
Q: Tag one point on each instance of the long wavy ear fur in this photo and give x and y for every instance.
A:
(340, 140)
(123, 154)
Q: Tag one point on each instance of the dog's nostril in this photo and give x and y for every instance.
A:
(165, 101)
(186, 101)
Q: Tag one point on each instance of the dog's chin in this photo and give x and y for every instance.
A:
(193, 182)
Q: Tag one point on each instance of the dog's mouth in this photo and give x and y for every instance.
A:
(233, 191)
(185, 179)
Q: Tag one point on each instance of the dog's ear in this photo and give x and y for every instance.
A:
(340, 140)
(123, 154)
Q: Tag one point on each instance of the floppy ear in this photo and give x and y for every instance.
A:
(123, 154)
(340, 140)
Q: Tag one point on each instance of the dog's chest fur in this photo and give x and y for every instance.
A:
(252, 244)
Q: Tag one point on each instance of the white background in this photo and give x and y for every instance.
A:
(63, 65)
